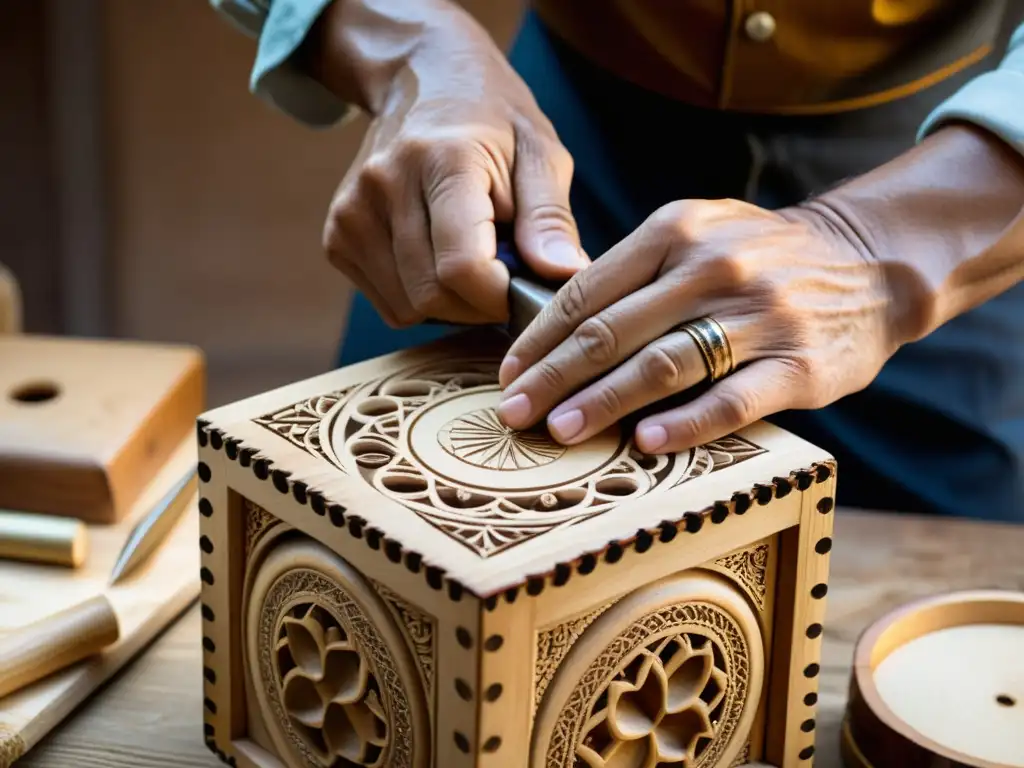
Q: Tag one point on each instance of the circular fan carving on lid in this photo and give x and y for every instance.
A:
(415, 436)
(333, 677)
(481, 440)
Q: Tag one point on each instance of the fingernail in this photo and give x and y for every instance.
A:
(565, 426)
(651, 438)
(508, 371)
(563, 253)
(515, 411)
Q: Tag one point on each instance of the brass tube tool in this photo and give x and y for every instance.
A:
(43, 539)
(54, 642)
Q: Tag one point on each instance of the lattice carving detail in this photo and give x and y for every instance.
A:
(743, 757)
(750, 567)
(420, 630)
(554, 644)
(300, 422)
(641, 693)
(257, 522)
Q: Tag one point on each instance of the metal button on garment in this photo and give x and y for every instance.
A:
(760, 26)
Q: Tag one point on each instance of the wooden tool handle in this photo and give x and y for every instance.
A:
(10, 302)
(37, 650)
(43, 539)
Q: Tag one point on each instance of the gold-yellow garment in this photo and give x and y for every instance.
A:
(779, 56)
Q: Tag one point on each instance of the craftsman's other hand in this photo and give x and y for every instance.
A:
(810, 313)
(457, 142)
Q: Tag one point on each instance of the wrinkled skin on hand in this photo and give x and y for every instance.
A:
(457, 143)
(814, 298)
(811, 316)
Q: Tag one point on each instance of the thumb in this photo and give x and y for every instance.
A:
(546, 231)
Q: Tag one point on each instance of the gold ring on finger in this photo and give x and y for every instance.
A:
(713, 344)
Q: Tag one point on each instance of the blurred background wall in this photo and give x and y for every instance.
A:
(145, 193)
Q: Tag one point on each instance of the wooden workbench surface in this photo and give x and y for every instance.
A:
(151, 714)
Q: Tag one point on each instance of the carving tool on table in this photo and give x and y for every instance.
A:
(54, 642)
(154, 527)
(43, 539)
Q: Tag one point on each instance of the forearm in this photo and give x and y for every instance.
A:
(357, 48)
(944, 221)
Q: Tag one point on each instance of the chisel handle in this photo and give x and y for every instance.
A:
(57, 641)
(43, 539)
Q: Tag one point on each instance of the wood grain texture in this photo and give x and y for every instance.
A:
(144, 603)
(151, 716)
(452, 499)
(55, 642)
(963, 646)
(10, 302)
(85, 424)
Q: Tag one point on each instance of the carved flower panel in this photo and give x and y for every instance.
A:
(669, 676)
(334, 680)
(662, 709)
(328, 691)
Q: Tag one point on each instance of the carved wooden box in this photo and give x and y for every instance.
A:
(392, 579)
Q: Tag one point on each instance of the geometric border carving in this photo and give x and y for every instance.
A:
(554, 644)
(299, 423)
(257, 522)
(420, 630)
(750, 568)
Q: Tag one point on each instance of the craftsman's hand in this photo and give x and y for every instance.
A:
(457, 142)
(810, 313)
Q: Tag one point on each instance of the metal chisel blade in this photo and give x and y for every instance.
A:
(526, 299)
(154, 527)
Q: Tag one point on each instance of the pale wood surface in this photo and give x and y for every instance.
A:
(152, 714)
(55, 642)
(85, 423)
(438, 387)
(963, 647)
(145, 603)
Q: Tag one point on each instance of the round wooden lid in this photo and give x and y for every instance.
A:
(940, 681)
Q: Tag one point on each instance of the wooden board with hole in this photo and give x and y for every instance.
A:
(146, 602)
(84, 424)
(393, 578)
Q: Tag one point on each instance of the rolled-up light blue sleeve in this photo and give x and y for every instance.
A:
(280, 26)
(993, 100)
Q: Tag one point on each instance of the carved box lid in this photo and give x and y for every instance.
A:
(410, 444)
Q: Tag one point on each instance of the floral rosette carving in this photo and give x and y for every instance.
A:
(331, 680)
(328, 692)
(669, 691)
(661, 710)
